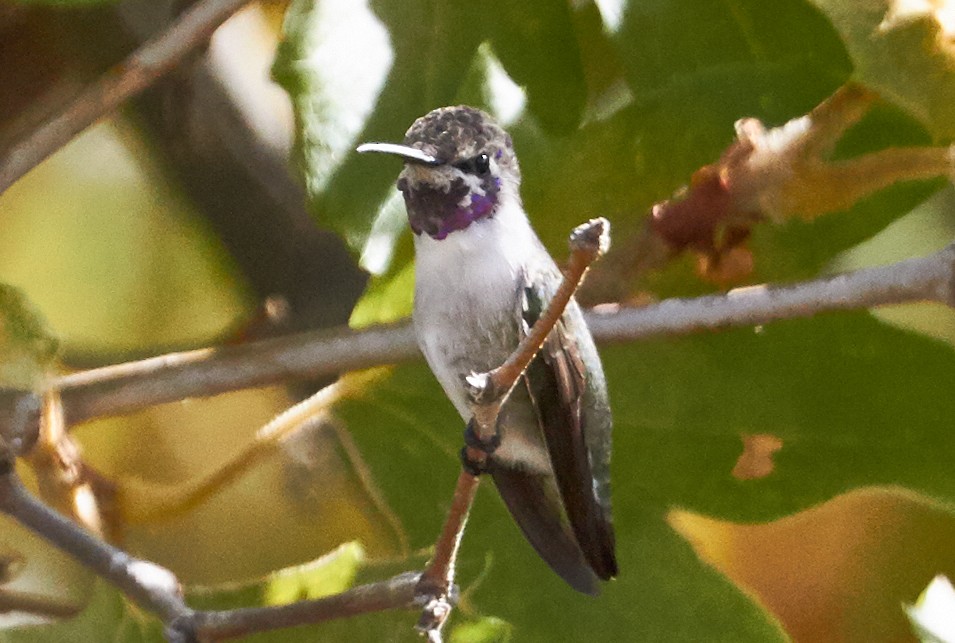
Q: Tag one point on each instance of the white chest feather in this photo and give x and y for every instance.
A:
(467, 288)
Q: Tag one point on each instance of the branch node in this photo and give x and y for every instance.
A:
(435, 614)
(480, 388)
(591, 238)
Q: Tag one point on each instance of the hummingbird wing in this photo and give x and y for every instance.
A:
(534, 503)
(557, 383)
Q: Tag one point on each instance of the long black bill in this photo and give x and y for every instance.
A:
(405, 152)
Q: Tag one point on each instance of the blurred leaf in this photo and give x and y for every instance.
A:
(107, 617)
(536, 43)
(332, 573)
(675, 42)
(904, 51)
(415, 463)
(27, 348)
(485, 630)
(346, 195)
(333, 62)
(799, 250)
(854, 402)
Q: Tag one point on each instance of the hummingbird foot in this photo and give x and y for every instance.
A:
(485, 448)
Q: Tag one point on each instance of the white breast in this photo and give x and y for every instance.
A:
(466, 295)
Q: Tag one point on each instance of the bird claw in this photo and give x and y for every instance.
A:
(486, 446)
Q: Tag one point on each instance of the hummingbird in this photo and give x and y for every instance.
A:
(482, 278)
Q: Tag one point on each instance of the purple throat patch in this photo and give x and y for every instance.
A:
(438, 213)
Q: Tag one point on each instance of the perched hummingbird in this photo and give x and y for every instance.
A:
(482, 277)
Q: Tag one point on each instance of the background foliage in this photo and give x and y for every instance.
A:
(612, 106)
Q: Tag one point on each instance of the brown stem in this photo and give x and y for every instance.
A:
(36, 604)
(489, 391)
(440, 572)
(437, 581)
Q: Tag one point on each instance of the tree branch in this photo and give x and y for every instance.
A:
(930, 278)
(488, 393)
(147, 584)
(124, 388)
(397, 592)
(142, 68)
(156, 589)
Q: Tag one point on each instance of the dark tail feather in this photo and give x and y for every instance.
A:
(537, 511)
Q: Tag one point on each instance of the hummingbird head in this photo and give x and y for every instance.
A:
(459, 167)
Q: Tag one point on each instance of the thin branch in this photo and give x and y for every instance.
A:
(488, 393)
(140, 70)
(124, 388)
(930, 278)
(587, 242)
(395, 593)
(36, 604)
(150, 586)
(153, 503)
(437, 581)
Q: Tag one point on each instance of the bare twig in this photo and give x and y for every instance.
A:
(489, 392)
(930, 278)
(156, 589)
(142, 68)
(587, 242)
(59, 469)
(36, 604)
(124, 388)
(133, 386)
(395, 593)
(147, 584)
(437, 581)
(149, 504)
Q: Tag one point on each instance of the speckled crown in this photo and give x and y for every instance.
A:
(454, 134)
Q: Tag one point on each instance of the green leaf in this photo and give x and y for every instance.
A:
(903, 52)
(27, 348)
(108, 616)
(345, 191)
(410, 441)
(854, 401)
(672, 42)
(485, 630)
(536, 43)
(332, 573)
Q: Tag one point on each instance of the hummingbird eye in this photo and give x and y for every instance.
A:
(479, 164)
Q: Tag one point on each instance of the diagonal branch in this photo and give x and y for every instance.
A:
(489, 392)
(140, 70)
(147, 584)
(156, 589)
